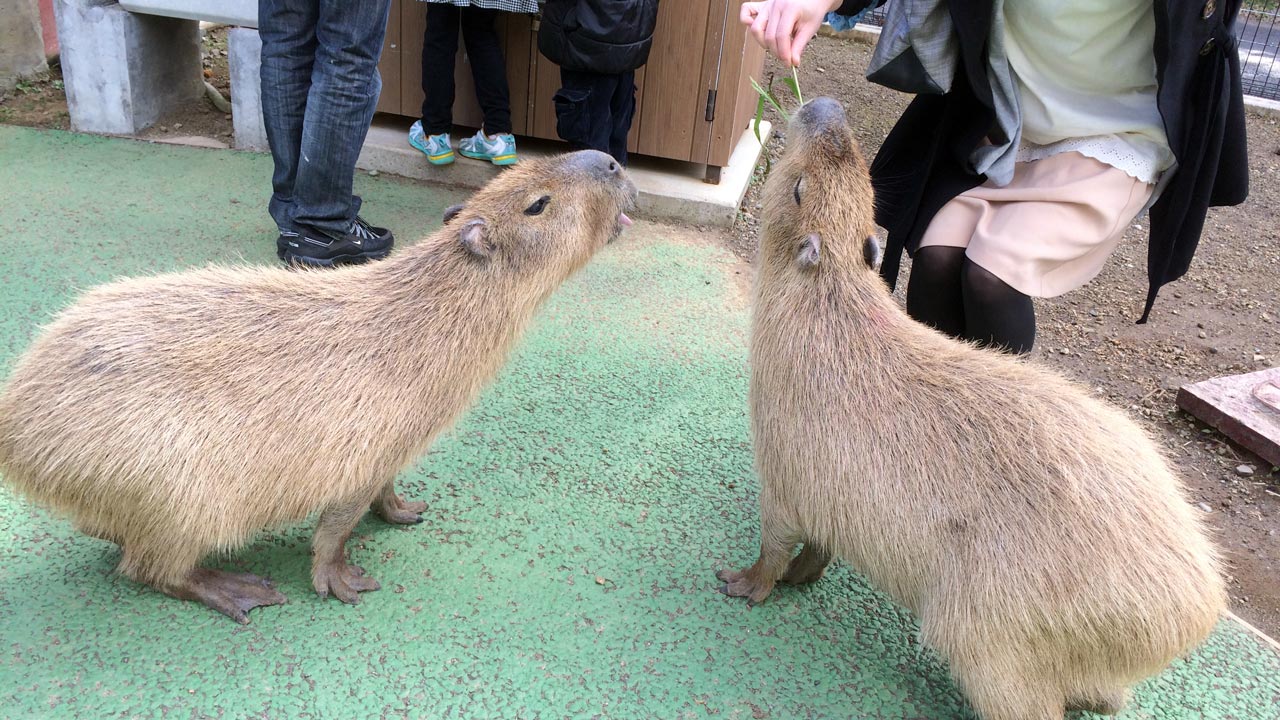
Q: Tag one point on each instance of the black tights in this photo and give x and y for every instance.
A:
(952, 293)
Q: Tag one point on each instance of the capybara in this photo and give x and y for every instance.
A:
(178, 415)
(1038, 534)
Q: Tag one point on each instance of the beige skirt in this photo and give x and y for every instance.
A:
(1048, 231)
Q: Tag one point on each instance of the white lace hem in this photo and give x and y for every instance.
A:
(1134, 158)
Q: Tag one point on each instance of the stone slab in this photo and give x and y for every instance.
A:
(231, 12)
(1245, 408)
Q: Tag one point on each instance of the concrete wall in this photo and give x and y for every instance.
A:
(21, 45)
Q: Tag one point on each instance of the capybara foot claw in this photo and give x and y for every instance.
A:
(232, 594)
(396, 509)
(744, 584)
(344, 581)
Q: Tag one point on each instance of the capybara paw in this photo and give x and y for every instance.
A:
(232, 594)
(344, 581)
(801, 575)
(399, 511)
(744, 583)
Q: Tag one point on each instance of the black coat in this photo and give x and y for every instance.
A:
(923, 163)
(602, 36)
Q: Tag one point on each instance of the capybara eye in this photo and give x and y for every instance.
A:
(538, 206)
(799, 182)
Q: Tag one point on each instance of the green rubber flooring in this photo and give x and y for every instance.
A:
(576, 514)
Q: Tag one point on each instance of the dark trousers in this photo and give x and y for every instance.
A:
(320, 85)
(488, 68)
(594, 111)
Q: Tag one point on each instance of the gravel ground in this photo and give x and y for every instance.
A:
(1222, 318)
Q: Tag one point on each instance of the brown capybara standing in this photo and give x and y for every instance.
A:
(179, 415)
(1038, 534)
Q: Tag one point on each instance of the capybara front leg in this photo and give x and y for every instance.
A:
(330, 571)
(756, 582)
(394, 509)
(808, 566)
(232, 594)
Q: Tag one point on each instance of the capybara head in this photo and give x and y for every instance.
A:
(545, 217)
(818, 202)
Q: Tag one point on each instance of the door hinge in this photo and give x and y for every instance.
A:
(711, 105)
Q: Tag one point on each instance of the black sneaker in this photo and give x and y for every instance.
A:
(312, 246)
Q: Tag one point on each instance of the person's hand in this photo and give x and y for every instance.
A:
(785, 27)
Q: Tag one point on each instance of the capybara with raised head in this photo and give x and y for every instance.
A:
(1038, 534)
(179, 415)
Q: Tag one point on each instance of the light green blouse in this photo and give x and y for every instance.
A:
(1086, 78)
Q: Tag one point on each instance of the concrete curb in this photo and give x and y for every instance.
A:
(1262, 106)
(1261, 635)
(863, 33)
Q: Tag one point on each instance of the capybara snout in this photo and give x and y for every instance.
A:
(552, 214)
(819, 197)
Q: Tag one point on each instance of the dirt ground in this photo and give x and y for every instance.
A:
(1222, 318)
(42, 103)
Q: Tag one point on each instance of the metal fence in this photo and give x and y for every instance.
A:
(1259, 32)
(1258, 28)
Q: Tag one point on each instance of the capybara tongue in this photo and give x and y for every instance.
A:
(624, 220)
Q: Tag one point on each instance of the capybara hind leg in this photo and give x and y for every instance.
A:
(394, 509)
(808, 566)
(996, 693)
(777, 542)
(330, 571)
(1108, 702)
(232, 594)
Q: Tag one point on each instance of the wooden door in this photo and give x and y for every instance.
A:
(698, 48)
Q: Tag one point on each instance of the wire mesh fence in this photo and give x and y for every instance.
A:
(1259, 32)
(1258, 28)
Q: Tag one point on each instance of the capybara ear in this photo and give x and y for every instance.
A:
(474, 237)
(810, 251)
(452, 211)
(871, 252)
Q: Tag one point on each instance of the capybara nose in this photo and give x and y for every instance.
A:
(821, 113)
(598, 164)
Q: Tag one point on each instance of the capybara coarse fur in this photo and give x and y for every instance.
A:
(179, 415)
(1038, 534)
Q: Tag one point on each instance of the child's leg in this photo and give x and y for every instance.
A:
(622, 110)
(582, 110)
(439, 47)
(488, 68)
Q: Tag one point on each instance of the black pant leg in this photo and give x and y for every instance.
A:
(622, 110)
(439, 48)
(488, 67)
(582, 109)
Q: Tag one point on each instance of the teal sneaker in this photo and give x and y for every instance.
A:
(498, 149)
(437, 148)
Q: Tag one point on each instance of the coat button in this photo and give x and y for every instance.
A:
(1209, 7)
(1207, 47)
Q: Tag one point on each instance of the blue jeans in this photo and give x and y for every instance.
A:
(320, 85)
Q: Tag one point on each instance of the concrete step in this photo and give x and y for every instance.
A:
(669, 190)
